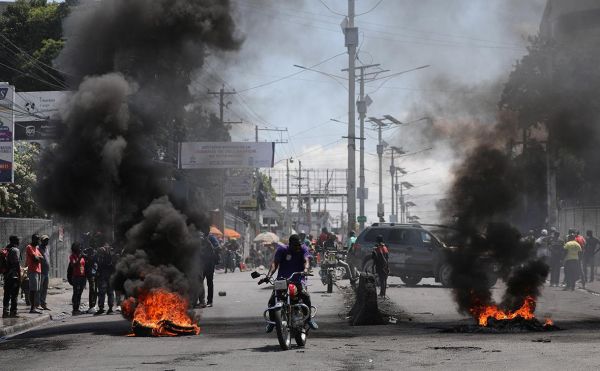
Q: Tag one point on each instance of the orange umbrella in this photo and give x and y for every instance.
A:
(214, 230)
(230, 233)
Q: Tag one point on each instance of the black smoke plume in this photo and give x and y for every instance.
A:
(549, 106)
(486, 190)
(130, 64)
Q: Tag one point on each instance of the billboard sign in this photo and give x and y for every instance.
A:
(7, 126)
(226, 155)
(239, 188)
(36, 115)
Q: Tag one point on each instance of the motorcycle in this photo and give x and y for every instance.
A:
(289, 312)
(334, 268)
(232, 260)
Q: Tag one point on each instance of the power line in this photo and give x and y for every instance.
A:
(370, 10)
(331, 10)
(290, 75)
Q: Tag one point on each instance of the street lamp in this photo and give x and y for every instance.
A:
(403, 185)
(400, 151)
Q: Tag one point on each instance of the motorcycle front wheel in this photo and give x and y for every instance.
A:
(300, 337)
(283, 330)
(329, 282)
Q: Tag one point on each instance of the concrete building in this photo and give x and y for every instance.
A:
(566, 21)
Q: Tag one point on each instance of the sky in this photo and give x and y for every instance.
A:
(471, 45)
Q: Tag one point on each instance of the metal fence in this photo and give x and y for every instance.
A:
(60, 240)
(581, 218)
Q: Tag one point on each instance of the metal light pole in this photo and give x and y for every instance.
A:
(400, 151)
(406, 185)
(351, 42)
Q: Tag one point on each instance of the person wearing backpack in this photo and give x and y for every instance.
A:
(380, 257)
(11, 268)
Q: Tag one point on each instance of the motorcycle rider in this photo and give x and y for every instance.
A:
(287, 260)
(323, 236)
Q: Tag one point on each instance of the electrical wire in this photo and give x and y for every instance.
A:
(290, 75)
(370, 10)
(331, 10)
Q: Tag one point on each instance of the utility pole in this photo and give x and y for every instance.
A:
(308, 202)
(288, 203)
(222, 93)
(351, 42)
(393, 218)
(395, 200)
(393, 171)
(222, 105)
(362, 104)
(380, 147)
(299, 189)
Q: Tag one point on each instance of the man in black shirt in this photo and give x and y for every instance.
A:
(589, 254)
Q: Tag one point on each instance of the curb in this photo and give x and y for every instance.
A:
(26, 325)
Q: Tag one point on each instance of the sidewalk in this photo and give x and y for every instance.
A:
(58, 300)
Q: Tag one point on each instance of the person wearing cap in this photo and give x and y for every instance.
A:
(45, 251)
(380, 257)
(12, 278)
(33, 258)
(541, 246)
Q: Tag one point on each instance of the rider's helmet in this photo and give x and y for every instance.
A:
(294, 239)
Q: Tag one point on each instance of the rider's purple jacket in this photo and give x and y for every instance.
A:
(290, 261)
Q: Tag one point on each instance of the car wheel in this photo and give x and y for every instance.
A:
(411, 279)
(444, 275)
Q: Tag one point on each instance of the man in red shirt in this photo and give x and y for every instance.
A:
(33, 258)
(76, 275)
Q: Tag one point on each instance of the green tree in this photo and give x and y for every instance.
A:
(30, 39)
(16, 199)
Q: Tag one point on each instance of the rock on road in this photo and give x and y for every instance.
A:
(233, 337)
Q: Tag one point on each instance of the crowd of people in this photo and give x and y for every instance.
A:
(92, 262)
(91, 266)
(576, 254)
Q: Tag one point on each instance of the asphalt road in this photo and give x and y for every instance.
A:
(233, 337)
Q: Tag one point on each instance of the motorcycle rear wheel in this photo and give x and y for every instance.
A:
(329, 282)
(283, 331)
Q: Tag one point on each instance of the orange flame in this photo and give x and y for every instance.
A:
(549, 322)
(157, 308)
(484, 313)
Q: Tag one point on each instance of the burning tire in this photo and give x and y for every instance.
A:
(411, 279)
(283, 331)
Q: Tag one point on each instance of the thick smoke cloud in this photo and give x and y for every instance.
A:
(549, 103)
(130, 64)
(485, 192)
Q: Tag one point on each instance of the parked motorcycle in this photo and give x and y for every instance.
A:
(334, 268)
(289, 312)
